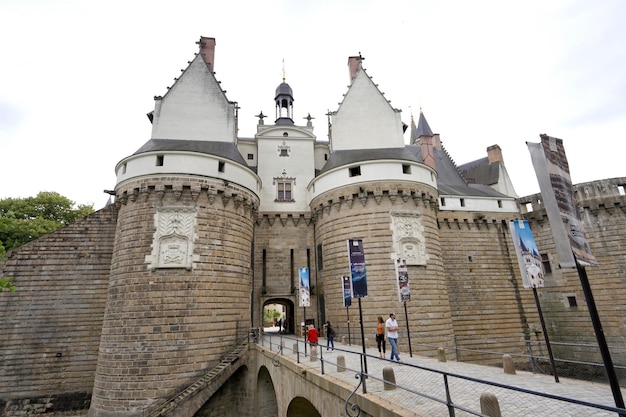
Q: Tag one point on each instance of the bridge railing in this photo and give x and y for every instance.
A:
(435, 391)
(579, 359)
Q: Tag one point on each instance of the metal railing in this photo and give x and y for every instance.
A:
(579, 360)
(435, 391)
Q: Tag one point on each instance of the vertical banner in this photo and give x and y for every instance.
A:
(528, 256)
(346, 284)
(305, 289)
(356, 257)
(402, 278)
(553, 175)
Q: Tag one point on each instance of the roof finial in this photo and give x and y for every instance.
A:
(284, 77)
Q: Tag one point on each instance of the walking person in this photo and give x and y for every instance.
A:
(380, 337)
(330, 337)
(392, 335)
(312, 337)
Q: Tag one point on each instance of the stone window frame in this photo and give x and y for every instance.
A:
(284, 182)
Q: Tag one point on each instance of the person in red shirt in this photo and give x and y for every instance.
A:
(312, 336)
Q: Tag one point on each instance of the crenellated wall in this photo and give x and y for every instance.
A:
(282, 244)
(168, 323)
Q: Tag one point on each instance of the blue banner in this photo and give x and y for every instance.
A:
(305, 289)
(357, 268)
(528, 256)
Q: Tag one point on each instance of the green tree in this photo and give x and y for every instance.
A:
(5, 283)
(26, 219)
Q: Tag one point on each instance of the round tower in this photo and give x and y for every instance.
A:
(395, 219)
(181, 273)
(375, 189)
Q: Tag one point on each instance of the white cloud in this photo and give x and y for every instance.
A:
(79, 77)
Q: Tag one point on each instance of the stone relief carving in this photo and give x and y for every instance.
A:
(172, 246)
(408, 238)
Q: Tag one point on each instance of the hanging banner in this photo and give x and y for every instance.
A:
(346, 284)
(528, 256)
(402, 279)
(356, 257)
(553, 175)
(305, 289)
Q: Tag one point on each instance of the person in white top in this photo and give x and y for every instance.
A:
(392, 335)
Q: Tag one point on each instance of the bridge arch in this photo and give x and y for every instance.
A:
(301, 407)
(267, 405)
(229, 400)
(287, 310)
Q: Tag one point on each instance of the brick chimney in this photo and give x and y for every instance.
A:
(354, 65)
(494, 154)
(207, 49)
(428, 145)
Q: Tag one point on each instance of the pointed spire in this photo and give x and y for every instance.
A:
(422, 129)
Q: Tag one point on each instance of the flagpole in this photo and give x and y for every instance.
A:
(348, 318)
(363, 337)
(597, 327)
(408, 333)
(545, 335)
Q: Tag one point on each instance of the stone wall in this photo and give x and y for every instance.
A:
(602, 208)
(287, 241)
(487, 297)
(51, 325)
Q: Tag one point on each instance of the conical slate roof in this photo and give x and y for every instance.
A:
(422, 129)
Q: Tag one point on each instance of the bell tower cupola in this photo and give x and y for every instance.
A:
(284, 103)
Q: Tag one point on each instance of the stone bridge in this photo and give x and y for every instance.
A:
(256, 381)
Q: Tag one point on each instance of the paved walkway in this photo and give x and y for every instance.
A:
(421, 386)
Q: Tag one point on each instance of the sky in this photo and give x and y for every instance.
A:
(77, 78)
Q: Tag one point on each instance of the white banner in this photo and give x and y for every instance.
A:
(402, 280)
(552, 172)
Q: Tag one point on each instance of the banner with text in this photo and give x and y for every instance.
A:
(356, 257)
(346, 284)
(553, 175)
(528, 256)
(402, 278)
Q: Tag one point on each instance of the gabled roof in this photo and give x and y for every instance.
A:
(365, 119)
(481, 171)
(195, 107)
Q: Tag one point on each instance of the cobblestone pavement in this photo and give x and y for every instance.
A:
(421, 386)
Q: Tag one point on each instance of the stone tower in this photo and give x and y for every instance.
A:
(188, 200)
(374, 188)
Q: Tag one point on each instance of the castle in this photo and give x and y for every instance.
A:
(124, 306)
